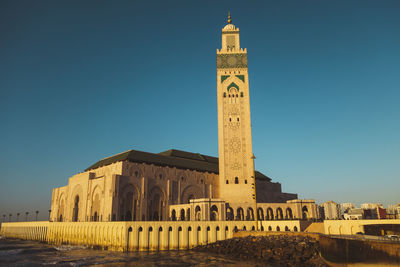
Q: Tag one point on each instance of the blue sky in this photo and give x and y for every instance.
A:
(83, 80)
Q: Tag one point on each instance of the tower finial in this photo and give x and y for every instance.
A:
(229, 17)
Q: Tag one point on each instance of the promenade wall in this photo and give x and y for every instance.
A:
(163, 235)
(141, 235)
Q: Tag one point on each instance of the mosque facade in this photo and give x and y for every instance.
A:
(179, 185)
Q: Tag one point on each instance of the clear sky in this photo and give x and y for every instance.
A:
(83, 80)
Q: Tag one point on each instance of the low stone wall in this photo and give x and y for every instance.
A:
(122, 236)
(141, 235)
(351, 227)
(26, 230)
(346, 250)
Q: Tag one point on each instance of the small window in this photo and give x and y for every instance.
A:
(227, 182)
(237, 95)
(229, 95)
(236, 180)
(230, 119)
(136, 173)
(224, 94)
(160, 176)
(245, 181)
(237, 119)
(241, 94)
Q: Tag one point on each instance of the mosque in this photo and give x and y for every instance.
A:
(179, 185)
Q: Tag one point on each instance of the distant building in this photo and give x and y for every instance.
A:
(373, 211)
(381, 213)
(347, 206)
(367, 206)
(393, 211)
(354, 214)
(330, 210)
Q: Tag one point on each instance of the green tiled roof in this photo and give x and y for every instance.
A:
(171, 158)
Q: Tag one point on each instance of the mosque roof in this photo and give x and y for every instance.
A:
(171, 158)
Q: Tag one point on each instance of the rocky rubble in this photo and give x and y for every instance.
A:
(274, 250)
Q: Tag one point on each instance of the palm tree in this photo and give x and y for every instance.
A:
(37, 212)
(26, 213)
(17, 217)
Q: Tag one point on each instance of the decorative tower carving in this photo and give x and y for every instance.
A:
(236, 168)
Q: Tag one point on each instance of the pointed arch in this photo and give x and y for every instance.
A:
(234, 85)
(270, 214)
(61, 207)
(190, 192)
(279, 213)
(156, 203)
(129, 203)
(95, 203)
(77, 200)
(289, 213)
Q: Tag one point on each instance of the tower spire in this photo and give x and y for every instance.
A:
(229, 17)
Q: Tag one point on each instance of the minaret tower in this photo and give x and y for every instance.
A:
(236, 167)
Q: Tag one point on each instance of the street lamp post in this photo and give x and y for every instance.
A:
(17, 217)
(26, 218)
(9, 217)
(255, 195)
(37, 212)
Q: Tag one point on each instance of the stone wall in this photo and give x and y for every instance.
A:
(132, 236)
(351, 227)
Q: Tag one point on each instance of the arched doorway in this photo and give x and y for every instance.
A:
(95, 207)
(270, 214)
(60, 209)
(129, 200)
(182, 217)
(75, 211)
(214, 213)
(157, 200)
(188, 214)
(173, 215)
(260, 214)
(289, 213)
(239, 214)
(279, 214)
(229, 214)
(197, 213)
(304, 213)
(250, 214)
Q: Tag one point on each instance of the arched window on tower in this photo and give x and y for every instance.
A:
(236, 180)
